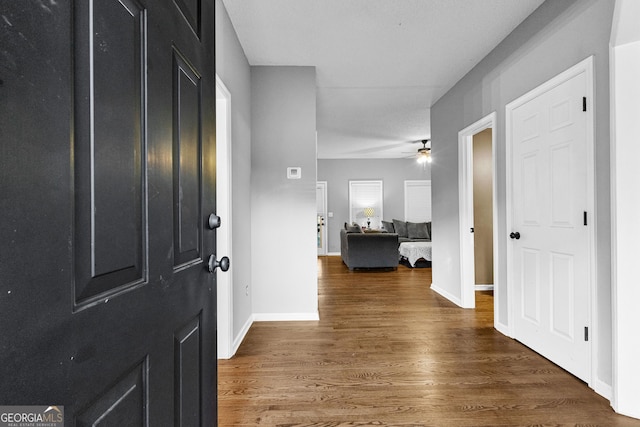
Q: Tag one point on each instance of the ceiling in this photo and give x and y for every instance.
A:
(380, 64)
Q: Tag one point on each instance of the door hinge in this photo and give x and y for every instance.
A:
(584, 103)
(584, 217)
(586, 333)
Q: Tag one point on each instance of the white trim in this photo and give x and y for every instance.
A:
(502, 328)
(586, 67)
(480, 287)
(603, 389)
(224, 281)
(446, 294)
(241, 335)
(285, 317)
(465, 194)
(334, 254)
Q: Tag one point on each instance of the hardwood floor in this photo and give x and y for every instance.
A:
(388, 351)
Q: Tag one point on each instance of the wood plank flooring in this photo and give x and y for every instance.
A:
(388, 351)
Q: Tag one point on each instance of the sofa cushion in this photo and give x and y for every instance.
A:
(400, 228)
(388, 226)
(353, 229)
(417, 230)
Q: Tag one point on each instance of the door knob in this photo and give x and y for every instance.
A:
(214, 221)
(213, 263)
(515, 235)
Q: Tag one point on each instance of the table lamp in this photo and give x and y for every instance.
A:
(369, 212)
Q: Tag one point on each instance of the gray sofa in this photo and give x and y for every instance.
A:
(409, 231)
(368, 250)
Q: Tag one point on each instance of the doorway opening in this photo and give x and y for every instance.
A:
(223, 210)
(321, 209)
(478, 207)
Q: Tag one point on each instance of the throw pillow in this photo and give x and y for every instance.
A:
(353, 229)
(417, 230)
(400, 228)
(358, 227)
(388, 226)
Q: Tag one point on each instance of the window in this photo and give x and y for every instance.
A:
(366, 195)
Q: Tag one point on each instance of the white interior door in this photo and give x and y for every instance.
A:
(417, 200)
(321, 203)
(550, 244)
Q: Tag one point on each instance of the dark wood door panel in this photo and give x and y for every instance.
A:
(188, 370)
(187, 173)
(192, 12)
(124, 403)
(109, 148)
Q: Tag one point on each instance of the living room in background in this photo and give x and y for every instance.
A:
(366, 194)
(417, 200)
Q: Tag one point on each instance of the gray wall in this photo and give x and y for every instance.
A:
(233, 69)
(555, 37)
(283, 211)
(392, 172)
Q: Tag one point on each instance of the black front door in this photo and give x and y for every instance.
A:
(107, 180)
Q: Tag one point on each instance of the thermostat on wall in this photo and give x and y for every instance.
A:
(294, 172)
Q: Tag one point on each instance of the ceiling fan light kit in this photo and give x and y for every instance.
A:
(424, 153)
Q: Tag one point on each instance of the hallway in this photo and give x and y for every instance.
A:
(389, 351)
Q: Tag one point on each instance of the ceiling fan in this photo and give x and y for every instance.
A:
(424, 153)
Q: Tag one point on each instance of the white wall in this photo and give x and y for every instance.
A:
(555, 37)
(393, 173)
(283, 211)
(625, 41)
(233, 69)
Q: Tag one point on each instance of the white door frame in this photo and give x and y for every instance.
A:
(325, 227)
(223, 210)
(585, 66)
(465, 178)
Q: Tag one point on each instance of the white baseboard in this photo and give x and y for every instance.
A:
(285, 317)
(603, 389)
(454, 299)
(484, 287)
(243, 333)
(502, 328)
(267, 317)
(333, 254)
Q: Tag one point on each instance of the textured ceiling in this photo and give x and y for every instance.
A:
(380, 64)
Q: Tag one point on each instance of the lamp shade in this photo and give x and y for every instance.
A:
(369, 212)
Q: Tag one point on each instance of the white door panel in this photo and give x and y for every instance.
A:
(549, 196)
